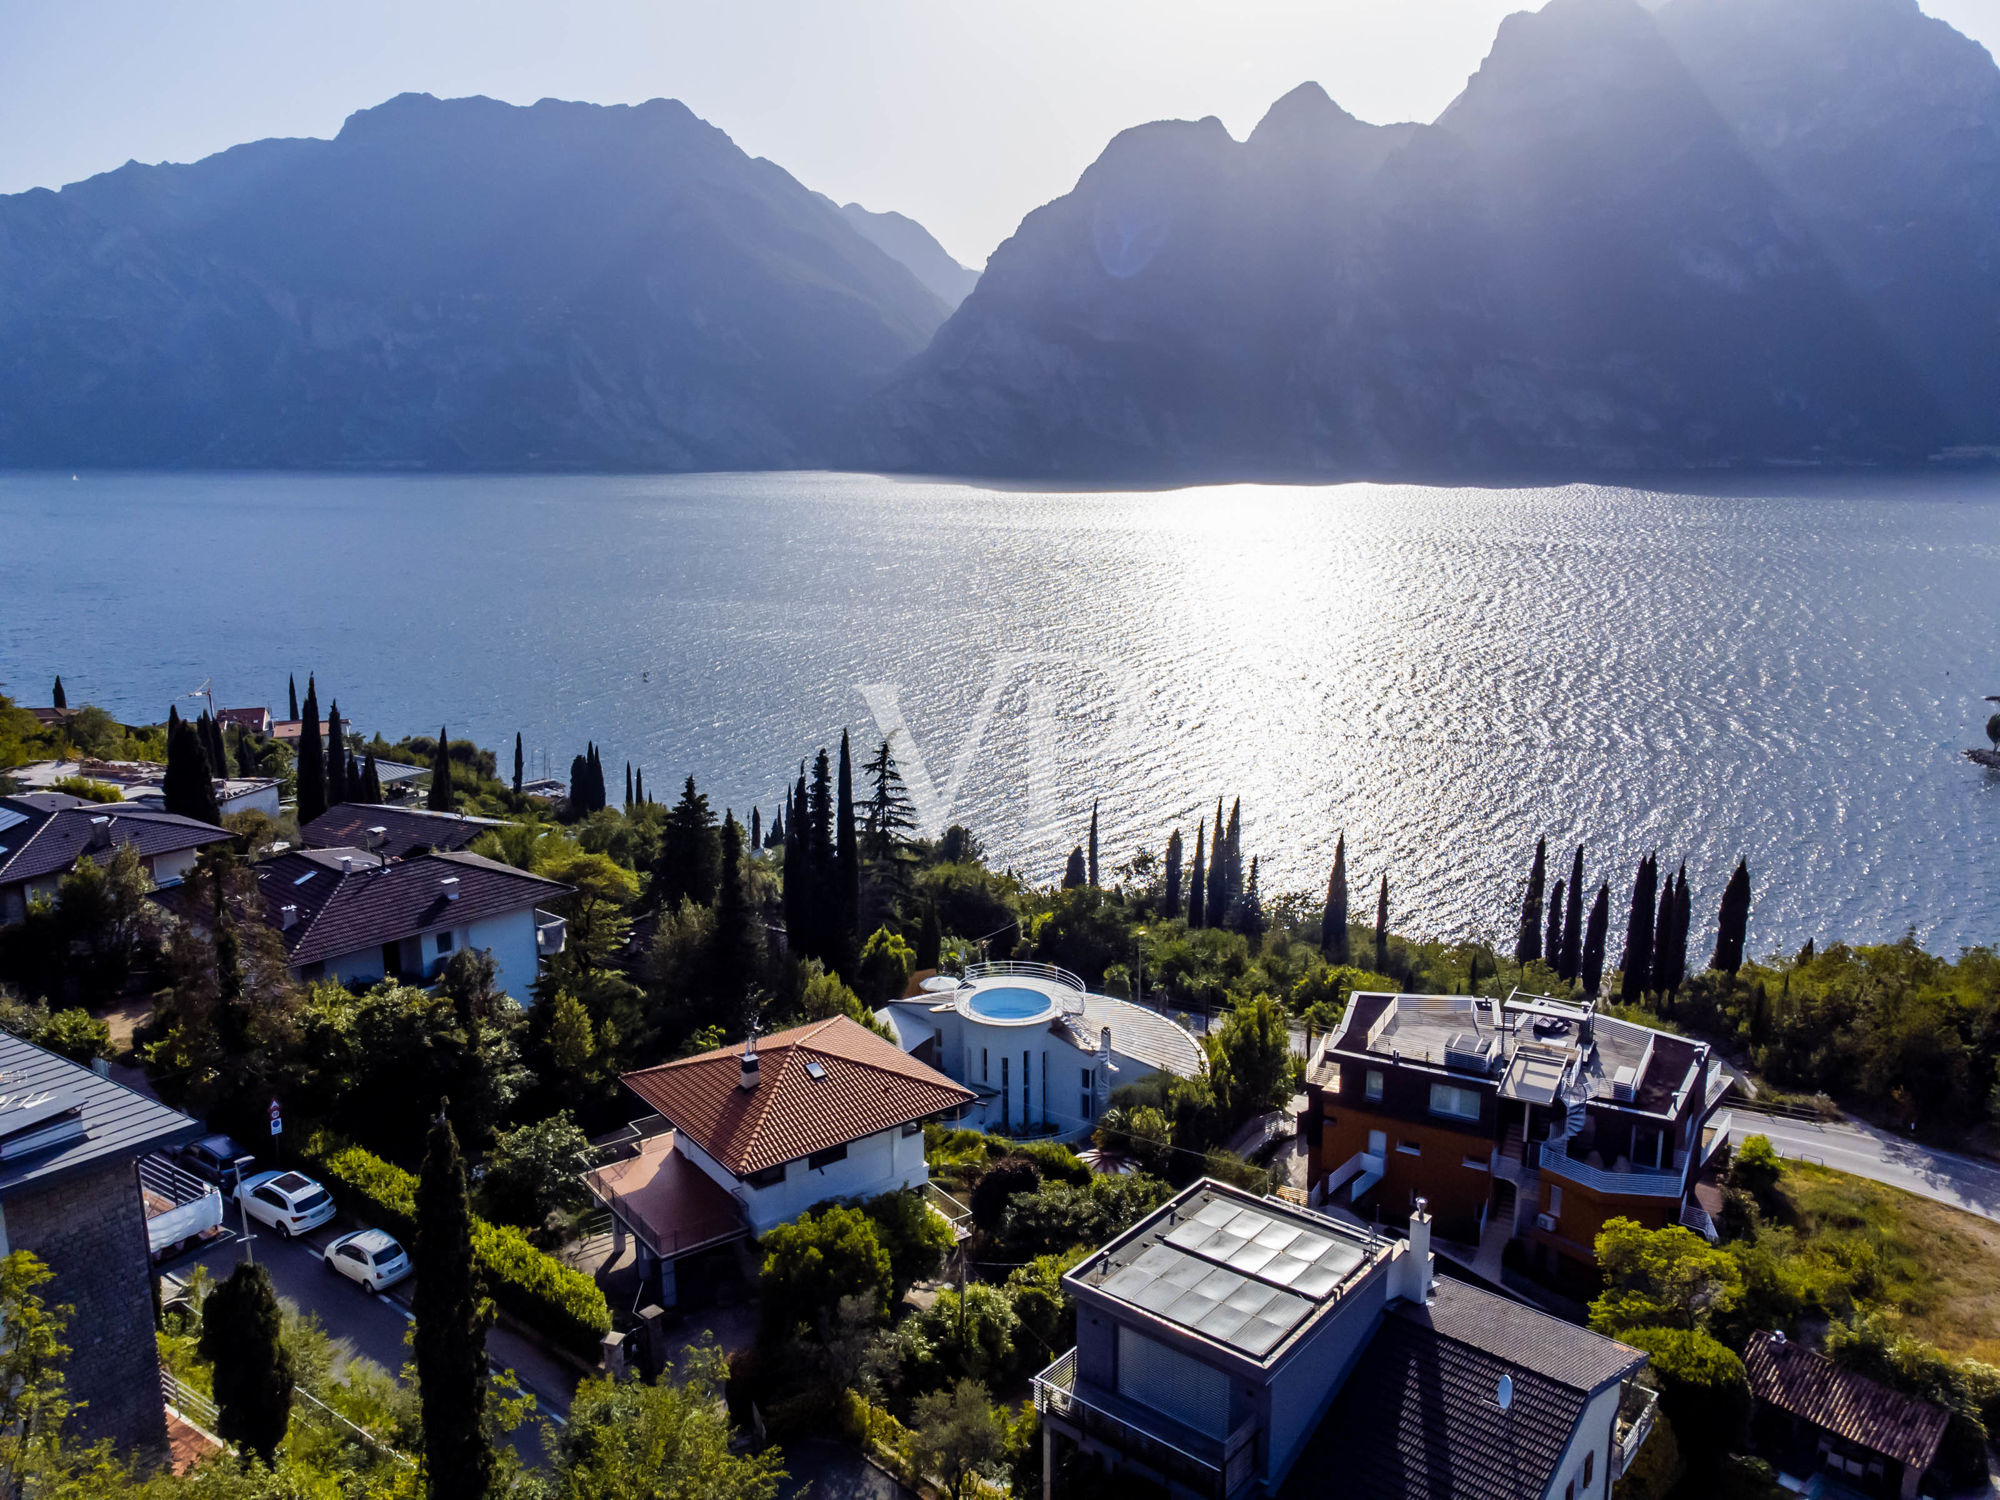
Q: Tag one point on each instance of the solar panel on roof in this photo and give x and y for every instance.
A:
(8, 817)
(1275, 1252)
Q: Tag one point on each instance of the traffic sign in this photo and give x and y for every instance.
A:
(277, 1120)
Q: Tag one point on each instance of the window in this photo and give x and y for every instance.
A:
(349, 1252)
(1454, 1102)
(1555, 1199)
(1410, 1148)
(444, 942)
(1192, 1393)
(769, 1177)
(1374, 1088)
(827, 1157)
(913, 1127)
(1569, 1490)
(265, 1195)
(1477, 1164)
(1589, 1464)
(1025, 1076)
(982, 1065)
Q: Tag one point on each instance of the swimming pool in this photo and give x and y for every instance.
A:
(1010, 1003)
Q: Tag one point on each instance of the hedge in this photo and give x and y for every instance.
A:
(554, 1299)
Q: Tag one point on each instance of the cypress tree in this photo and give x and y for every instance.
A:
(1218, 873)
(733, 949)
(1528, 944)
(1681, 917)
(1732, 921)
(311, 768)
(1382, 926)
(187, 788)
(452, 1317)
(639, 784)
(336, 758)
(252, 1374)
(847, 856)
(1572, 954)
(756, 830)
(247, 764)
(1198, 882)
(520, 762)
(1591, 968)
(1093, 842)
(930, 939)
(1077, 871)
(1235, 853)
(58, 698)
(774, 838)
(1663, 938)
(822, 859)
(371, 779)
(1635, 967)
(1170, 896)
(1248, 915)
(794, 867)
(628, 786)
(1333, 921)
(441, 798)
(292, 698)
(1552, 938)
(598, 799)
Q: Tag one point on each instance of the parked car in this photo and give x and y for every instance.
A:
(289, 1202)
(369, 1257)
(217, 1159)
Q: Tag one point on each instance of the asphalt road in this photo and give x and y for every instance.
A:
(1963, 1182)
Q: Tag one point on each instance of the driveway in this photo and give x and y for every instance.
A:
(1850, 1146)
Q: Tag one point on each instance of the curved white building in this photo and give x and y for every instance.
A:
(1041, 1053)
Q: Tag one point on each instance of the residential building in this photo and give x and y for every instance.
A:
(1520, 1118)
(351, 915)
(824, 1110)
(70, 1144)
(256, 720)
(144, 782)
(1039, 1052)
(291, 731)
(44, 834)
(1230, 1345)
(393, 832)
(1813, 1418)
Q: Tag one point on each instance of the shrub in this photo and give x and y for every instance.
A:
(1226, 1166)
(1756, 1169)
(886, 964)
(997, 1187)
(811, 1263)
(77, 1035)
(1058, 1217)
(1057, 1162)
(1703, 1390)
(916, 1238)
(535, 1172)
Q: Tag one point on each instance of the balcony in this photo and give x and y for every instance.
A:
(1618, 1181)
(1218, 1468)
(551, 933)
(1636, 1410)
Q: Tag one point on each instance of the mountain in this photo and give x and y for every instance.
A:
(449, 284)
(1713, 233)
(904, 239)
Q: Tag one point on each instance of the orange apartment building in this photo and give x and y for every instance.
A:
(1525, 1118)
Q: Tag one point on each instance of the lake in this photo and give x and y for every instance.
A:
(1788, 674)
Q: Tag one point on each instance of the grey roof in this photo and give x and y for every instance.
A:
(119, 1124)
(1139, 1033)
(43, 833)
(405, 830)
(1524, 1336)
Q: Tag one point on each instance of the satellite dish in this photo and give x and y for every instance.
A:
(1504, 1396)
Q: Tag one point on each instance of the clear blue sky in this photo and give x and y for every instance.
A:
(964, 115)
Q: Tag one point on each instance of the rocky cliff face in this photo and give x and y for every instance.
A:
(1727, 232)
(455, 284)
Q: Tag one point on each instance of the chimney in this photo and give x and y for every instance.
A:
(377, 837)
(288, 916)
(747, 1077)
(1417, 1267)
(347, 864)
(450, 884)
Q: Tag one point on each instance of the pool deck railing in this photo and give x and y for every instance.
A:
(1016, 969)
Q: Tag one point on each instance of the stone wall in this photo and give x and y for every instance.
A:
(91, 1231)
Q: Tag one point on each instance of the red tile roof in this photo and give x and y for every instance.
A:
(1809, 1385)
(865, 1085)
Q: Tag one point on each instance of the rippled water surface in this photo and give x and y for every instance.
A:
(1788, 674)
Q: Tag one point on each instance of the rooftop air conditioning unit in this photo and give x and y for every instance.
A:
(1624, 1082)
(1468, 1052)
(1546, 1222)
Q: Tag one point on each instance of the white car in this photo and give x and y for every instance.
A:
(289, 1202)
(370, 1257)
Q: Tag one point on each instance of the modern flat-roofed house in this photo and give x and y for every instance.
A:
(351, 915)
(144, 782)
(70, 1144)
(1520, 1118)
(393, 832)
(1812, 1417)
(44, 834)
(824, 1110)
(1040, 1053)
(1230, 1346)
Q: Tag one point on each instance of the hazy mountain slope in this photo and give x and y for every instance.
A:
(447, 283)
(1585, 263)
(906, 240)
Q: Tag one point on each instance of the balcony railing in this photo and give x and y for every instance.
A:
(1226, 1471)
(1068, 1005)
(1636, 1411)
(551, 933)
(1628, 1182)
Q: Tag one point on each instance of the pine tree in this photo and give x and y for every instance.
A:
(292, 698)
(187, 788)
(1552, 938)
(58, 698)
(1590, 968)
(1092, 856)
(1198, 880)
(1333, 921)
(371, 780)
(441, 798)
(1077, 871)
(1217, 910)
(690, 861)
(336, 758)
(1732, 921)
(1635, 966)
(930, 939)
(1528, 945)
(451, 1318)
(1382, 926)
(733, 946)
(310, 771)
(847, 859)
(251, 1368)
(887, 822)
(756, 830)
(1170, 896)
(520, 763)
(1572, 953)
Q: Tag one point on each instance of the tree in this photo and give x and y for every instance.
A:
(885, 967)
(930, 940)
(1250, 1058)
(1590, 971)
(1756, 1169)
(734, 945)
(1732, 921)
(1382, 926)
(1247, 916)
(451, 1317)
(847, 863)
(535, 1172)
(1217, 907)
(441, 798)
(997, 1186)
(1076, 872)
(188, 788)
(1552, 936)
(292, 697)
(1992, 722)
(959, 1434)
(519, 763)
(310, 771)
(916, 1239)
(247, 763)
(756, 830)
(240, 1328)
(888, 821)
(1333, 919)
(1572, 948)
(1235, 847)
(1704, 1391)
(1170, 893)
(811, 1263)
(628, 786)
(57, 696)
(337, 790)
(571, 1040)
(1663, 939)
(1661, 1278)
(1636, 965)
(371, 782)
(1528, 944)
(1682, 912)
(1092, 856)
(34, 1403)
(689, 867)
(1198, 882)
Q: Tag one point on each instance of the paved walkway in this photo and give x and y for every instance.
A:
(1963, 1182)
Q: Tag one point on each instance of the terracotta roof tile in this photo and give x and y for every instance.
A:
(864, 1085)
(1808, 1384)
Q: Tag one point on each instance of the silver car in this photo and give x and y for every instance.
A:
(289, 1202)
(371, 1258)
